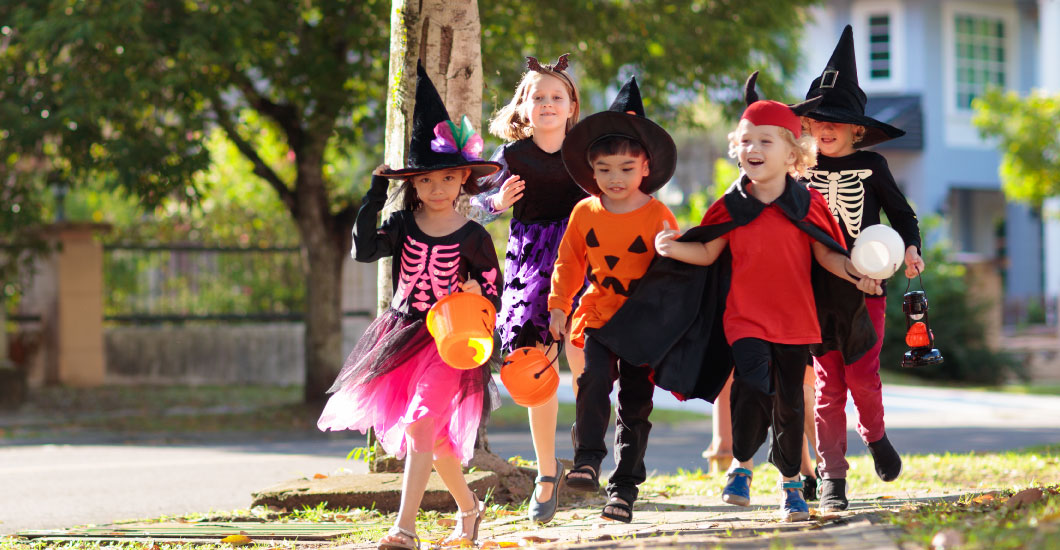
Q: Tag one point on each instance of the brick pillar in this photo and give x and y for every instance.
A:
(77, 326)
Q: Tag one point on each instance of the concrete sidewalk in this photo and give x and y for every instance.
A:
(687, 522)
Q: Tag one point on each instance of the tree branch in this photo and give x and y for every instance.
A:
(261, 169)
(285, 115)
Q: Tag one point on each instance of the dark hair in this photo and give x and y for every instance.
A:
(616, 145)
(407, 191)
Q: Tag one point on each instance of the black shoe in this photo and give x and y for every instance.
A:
(809, 488)
(888, 463)
(833, 495)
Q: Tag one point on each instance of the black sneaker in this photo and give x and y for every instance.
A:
(888, 463)
(833, 495)
(809, 488)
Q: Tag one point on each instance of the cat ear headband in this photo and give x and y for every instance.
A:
(534, 65)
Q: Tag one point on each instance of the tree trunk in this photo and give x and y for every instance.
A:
(445, 35)
(324, 247)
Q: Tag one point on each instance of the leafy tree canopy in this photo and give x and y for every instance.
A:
(1029, 141)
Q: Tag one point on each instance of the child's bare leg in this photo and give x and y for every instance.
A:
(719, 454)
(543, 434)
(809, 452)
(452, 474)
(414, 484)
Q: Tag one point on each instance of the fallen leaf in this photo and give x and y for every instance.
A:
(536, 539)
(237, 540)
(506, 512)
(456, 543)
(829, 517)
(885, 497)
(575, 516)
(983, 499)
(947, 539)
(447, 522)
(1026, 496)
(320, 476)
(500, 544)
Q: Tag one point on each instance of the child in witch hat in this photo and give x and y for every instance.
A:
(394, 381)
(858, 185)
(620, 158)
(769, 231)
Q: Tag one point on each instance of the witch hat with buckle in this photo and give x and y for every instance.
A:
(844, 101)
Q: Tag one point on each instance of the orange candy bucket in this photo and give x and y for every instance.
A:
(462, 326)
(528, 376)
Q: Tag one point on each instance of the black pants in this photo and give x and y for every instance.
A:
(593, 414)
(767, 392)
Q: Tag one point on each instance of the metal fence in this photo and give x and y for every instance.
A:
(178, 283)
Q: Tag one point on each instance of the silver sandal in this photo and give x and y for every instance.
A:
(395, 530)
(478, 511)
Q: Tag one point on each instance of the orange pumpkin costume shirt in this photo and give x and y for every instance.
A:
(614, 250)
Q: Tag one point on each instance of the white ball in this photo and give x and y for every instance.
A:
(878, 251)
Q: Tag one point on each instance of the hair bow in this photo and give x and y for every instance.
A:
(450, 138)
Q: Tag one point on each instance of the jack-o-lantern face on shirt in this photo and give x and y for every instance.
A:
(616, 260)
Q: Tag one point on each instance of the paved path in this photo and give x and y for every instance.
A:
(52, 486)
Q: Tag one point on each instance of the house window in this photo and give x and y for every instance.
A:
(980, 56)
(880, 46)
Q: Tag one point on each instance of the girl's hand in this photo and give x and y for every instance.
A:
(471, 286)
(511, 191)
(914, 264)
(664, 240)
(381, 168)
(557, 323)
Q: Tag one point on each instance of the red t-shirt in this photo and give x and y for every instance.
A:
(771, 297)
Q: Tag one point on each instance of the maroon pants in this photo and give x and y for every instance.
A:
(862, 380)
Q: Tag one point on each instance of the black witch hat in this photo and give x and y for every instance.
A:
(844, 101)
(617, 121)
(437, 142)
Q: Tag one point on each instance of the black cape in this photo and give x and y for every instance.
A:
(672, 322)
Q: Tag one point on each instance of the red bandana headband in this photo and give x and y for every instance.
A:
(767, 112)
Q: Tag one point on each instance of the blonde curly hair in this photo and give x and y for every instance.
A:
(804, 147)
(510, 124)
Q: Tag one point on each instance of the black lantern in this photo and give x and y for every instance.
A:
(918, 335)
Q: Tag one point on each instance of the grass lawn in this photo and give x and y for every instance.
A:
(982, 520)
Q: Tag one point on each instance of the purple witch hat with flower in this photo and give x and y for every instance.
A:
(437, 142)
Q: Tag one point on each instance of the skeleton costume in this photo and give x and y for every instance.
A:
(857, 187)
(394, 376)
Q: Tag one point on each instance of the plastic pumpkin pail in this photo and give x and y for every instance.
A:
(528, 376)
(462, 326)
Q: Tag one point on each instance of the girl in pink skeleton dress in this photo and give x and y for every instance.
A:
(394, 381)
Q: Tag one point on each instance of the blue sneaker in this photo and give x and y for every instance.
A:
(738, 488)
(794, 507)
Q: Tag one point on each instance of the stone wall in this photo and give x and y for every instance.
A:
(251, 353)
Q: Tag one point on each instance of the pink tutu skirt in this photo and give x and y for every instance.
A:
(422, 386)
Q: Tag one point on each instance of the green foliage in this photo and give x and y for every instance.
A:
(672, 47)
(956, 319)
(1028, 141)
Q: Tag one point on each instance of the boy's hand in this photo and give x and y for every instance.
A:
(914, 264)
(557, 323)
(471, 286)
(664, 240)
(870, 286)
(511, 192)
